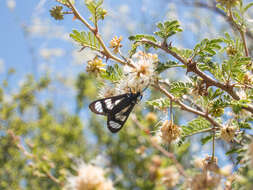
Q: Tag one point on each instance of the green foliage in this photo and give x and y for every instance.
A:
(85, 39)
(195, 126)
(207, 47)
(167, 29)
(161, 103)
(178, 89)
(137, 38)
(96, 10)
(169, 64)
(113, 73)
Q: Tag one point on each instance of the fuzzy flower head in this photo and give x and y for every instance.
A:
(169, 132)
(95, 66)
(106, 91)
(170, 176)
(228, 132)
(248, 78)
(89, 177)
(141, 75)
(205, 181)
(115, 44)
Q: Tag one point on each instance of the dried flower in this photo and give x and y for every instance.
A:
(106, 91)
(89, 177)
(154, 167)
(248, 78)
(226, 170)
(170, 132)
(56, 12)
(198, 163)
(151, 117)
(170, 176)
(141, 150)
(210, 163)
(205, 180)
(115, 44)
(229, 181)
(228, 132)
(156, 160)
(95, 66)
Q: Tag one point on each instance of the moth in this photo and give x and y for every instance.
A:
(116, 108)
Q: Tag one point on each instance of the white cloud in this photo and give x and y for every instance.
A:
(48, 53)
(11, 4)
(1, 65)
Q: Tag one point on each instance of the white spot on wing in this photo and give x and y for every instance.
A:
(118, 101)
(120, 117)
(114, 125)
(108, 103)
(98, 107)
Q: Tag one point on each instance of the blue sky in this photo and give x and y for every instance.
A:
(52, 51)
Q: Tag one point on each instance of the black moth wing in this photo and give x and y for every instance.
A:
(105, 105)
(116, 121)
(119, 114)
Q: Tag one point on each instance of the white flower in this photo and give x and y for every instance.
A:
(138, 78)
(242, 94)
(106, 91)
(89, 177)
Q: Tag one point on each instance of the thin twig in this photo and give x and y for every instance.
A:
(161, 149)
(188, 108)
(107, 52)
(18, 143)
(192, 67)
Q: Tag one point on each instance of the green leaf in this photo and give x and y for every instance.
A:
(168, 29)
(180, 88)
(139, 37)
(96, 10)
(248, 6)
(195, 126)
(235, 150)
(160, 103)
(206, 139)
(113, 73)
(85, 39)
(169, 64)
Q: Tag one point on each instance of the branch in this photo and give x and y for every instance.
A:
(217, 10)
(188, 108)
(18, 143)
(160, 148)
(107, 52)
(192, 67)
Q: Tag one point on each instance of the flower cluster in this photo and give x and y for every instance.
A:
(136, 78)
(115, 44)
(141, 75)
(228, 132)
(89, 177)
(169, 131)
(210, 177)
(95, 66)
(170, 176)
